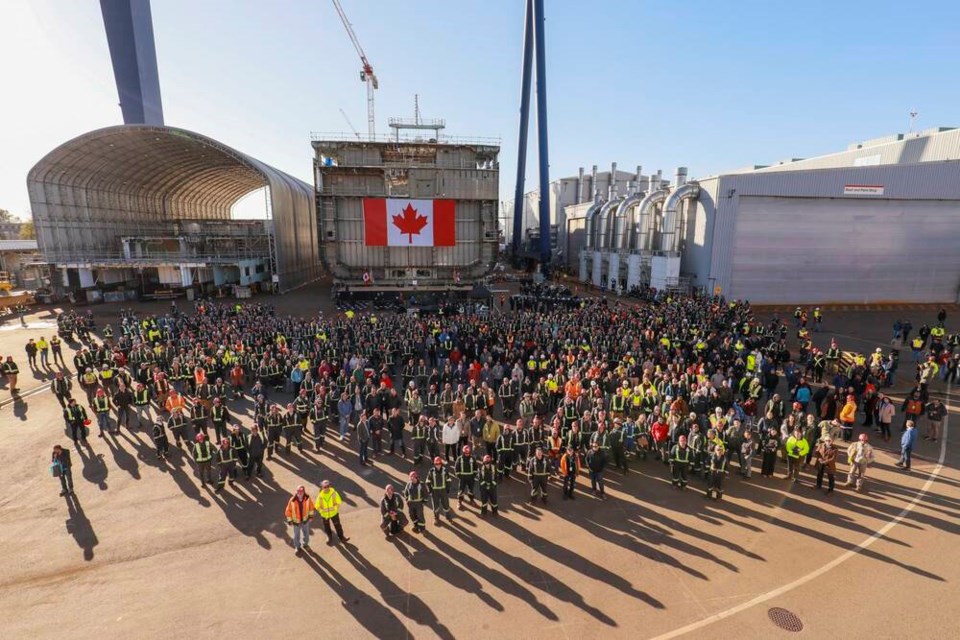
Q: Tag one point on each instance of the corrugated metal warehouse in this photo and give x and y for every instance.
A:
(879, 222)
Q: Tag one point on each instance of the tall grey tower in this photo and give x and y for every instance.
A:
(129, 27)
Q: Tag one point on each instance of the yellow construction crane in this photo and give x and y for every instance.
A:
(366, 73)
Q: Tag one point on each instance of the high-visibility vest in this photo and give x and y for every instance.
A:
(539, 466)
(202, 451)
(299, 512)
(328, 503)
(437, 478)
(101, 404)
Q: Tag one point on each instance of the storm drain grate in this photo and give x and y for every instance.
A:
(786, 620)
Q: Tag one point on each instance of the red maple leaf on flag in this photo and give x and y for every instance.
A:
(410, 222)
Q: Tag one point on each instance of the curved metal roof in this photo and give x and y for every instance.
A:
(157, 161)
(140, 175)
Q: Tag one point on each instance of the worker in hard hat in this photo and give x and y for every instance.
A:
(328, 506)
(392, 518)
(299, 512)
(439, 479)
(487, 477)
(203, 455)
(416, 494)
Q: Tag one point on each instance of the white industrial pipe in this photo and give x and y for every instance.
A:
(644, 223)
(579, 197)
(623, 225)
(612, 185)
(588, 223)
(681, 176)
(602, 228)
(669, 240)
(594, 192)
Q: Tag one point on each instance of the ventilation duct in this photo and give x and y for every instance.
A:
(669, 238)
(623, 225)
(588, 223)
(643, 237)
(603, 228)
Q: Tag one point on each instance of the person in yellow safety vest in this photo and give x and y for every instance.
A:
(106, 377)
(937, 334)
(751, 362)
(298, 513)
(90, 382)
(916, 345)
(797, 449)
(665, 341)
(328, 506)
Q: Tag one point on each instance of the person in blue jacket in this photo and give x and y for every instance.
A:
(907, 442)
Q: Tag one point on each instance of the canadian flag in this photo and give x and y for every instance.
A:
(398, 222)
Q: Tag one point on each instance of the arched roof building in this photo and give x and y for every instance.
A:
(138, 180)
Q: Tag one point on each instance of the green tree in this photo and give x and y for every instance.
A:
(6, 216)
(27, 231)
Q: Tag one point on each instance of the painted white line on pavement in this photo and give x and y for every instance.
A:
(813, 575)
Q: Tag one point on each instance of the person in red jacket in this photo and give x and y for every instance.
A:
(660, 432)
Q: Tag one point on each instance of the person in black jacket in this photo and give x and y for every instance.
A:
(76, 417)
(596, 463)
(256, 445)
(392, 518)
(60, 462)
(395, 427)
(60, 387)
(122, 400)
(377, 425)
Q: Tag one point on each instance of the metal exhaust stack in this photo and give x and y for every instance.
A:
(595, 193)
(579, 186)
(613, 180)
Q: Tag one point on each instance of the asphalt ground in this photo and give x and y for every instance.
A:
(143, 551)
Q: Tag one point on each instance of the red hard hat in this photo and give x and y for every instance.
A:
(466, 448)
(199, 437)
(488, 458)
(438, 460)
(797, 406)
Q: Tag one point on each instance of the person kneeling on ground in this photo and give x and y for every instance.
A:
(392, 519)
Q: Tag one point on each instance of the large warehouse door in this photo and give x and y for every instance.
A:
(819, 250)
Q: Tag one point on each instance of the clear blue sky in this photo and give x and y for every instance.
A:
(710, 85)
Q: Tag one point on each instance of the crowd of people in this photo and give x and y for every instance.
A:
(540, 394)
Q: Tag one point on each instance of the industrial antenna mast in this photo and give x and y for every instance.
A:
(366, 74)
